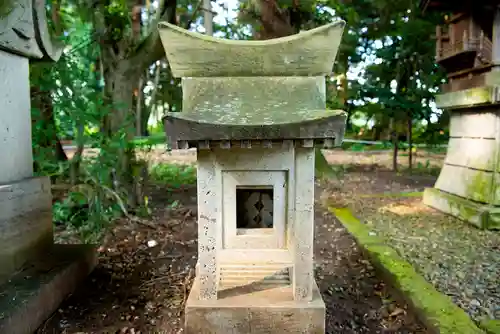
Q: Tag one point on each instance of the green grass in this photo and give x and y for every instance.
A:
(173, 175)
(155, 139)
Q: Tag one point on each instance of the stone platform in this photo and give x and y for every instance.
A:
(33, 293)
(255, 309)
(478, 214)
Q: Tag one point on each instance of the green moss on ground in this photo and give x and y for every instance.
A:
(491, 326)
(436, 310)
(401, 194)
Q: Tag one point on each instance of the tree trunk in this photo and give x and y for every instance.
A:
(153, 106)
(138, 108)
(74, 169)
(394, 137)
(120, 83)
(146, 112)
(410, 143)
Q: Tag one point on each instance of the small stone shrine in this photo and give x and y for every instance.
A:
(35, 274)
(255, 111)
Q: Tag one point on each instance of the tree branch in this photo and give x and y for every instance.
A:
(151, 49)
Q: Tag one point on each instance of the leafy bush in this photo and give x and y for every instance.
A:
(172, 175)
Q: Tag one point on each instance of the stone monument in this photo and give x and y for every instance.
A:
(35, 274)
(255, 111)
(468, 48)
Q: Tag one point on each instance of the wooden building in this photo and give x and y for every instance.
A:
(465, 43)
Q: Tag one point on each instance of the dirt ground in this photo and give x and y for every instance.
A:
(146, 268)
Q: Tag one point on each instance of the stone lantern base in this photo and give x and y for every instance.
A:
(480, 215)
(254, 309)
(468, 186)
(35, 274)
(31, 295)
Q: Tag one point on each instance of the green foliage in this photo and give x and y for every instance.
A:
(172, 175)
(79, 111)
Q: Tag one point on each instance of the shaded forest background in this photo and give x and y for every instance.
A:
(112, 85)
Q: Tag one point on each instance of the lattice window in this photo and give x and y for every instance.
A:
(254, 207)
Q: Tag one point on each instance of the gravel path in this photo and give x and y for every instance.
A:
(457, 258)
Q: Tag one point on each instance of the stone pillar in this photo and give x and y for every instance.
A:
(208, 211)
(35, 274)
(15, 124)
(468, 186)
(303, 229)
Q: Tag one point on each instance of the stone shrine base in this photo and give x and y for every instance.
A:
(254, 310)
(31, 295)
(480, 215)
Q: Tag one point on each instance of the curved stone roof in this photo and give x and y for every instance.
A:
(191, 54)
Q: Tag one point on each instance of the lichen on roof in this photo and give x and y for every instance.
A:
(254, 100)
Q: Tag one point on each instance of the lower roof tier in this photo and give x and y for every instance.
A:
(330, 125)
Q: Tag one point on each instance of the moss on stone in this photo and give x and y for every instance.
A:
(465, 98)
(6, 7)
(479, 188)
(254, 100)
(491, 326)
(192, 54)
(436, 310)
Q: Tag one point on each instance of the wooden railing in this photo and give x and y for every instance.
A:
(482, 45)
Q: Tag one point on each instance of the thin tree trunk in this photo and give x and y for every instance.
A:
(153, 106)
(410, 143)
(138, 108)
(394, 138)
(77, 157)
(208, 17)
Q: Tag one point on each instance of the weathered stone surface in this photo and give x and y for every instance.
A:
(220, 171)
(480, 215)
(302, 242)
(472, 152)
(492, 78)
(469, 179)
(209, 211)
(25, 222)
(323, 143)
(15, 119)
(17, 30)
(34, 293)
(178, 129)
(191, 54)
(480, 123)
(24, 30)
(467, 183)
(478, 96)
(253, 100)
(255, 310)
